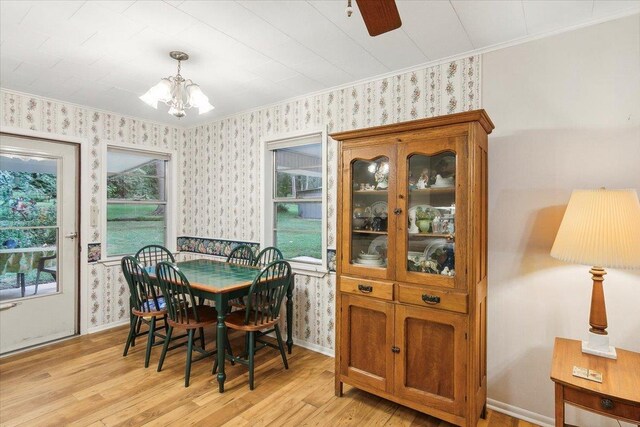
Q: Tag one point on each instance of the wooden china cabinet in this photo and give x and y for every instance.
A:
(412, 264)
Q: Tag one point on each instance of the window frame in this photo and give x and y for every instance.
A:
(268, 202)
(170, 195)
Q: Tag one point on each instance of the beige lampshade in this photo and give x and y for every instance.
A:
(600, 228)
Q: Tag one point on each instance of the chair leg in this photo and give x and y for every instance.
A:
(37, 281)
(137, 330)
(132, 331)
(164, 348)
(252, 344)
(150, 339)
(187, 368)
(281, 347)
(202, 338)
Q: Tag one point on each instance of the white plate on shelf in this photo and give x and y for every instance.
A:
(434, 245)
(369, 256)
(378, 245)
(373, 262)
(379, 208)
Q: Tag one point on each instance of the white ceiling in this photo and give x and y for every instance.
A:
(245, 54)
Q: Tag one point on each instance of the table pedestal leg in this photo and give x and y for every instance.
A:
(290, 314)
(221, 338)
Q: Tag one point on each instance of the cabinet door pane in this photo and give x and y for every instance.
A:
(431, 213)
(370, 212)
(367, 214)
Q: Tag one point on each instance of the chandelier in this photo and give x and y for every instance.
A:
(179, 94)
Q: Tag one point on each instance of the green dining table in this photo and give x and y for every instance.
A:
(220, 282)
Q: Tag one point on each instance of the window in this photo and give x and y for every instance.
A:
(295, 206)
(136, 200)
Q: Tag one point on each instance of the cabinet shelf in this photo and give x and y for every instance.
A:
(431, 190)
(369, 232)
(371, 192)
(444, 235)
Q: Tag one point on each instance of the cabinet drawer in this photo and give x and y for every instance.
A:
(365, 287)
(602, 404)
(444, 300)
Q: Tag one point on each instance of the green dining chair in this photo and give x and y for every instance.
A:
(147, 306)
(183, 313)
(240, 255)
(262, 313)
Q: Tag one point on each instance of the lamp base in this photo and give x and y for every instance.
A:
(598, 345)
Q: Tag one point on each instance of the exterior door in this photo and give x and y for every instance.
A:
(367, 341)
(431, 366)
(39, 242)
(368, 196)
(432, 195)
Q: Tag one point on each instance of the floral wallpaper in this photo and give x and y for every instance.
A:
(225, 173)
(108, 293)
(219, 170)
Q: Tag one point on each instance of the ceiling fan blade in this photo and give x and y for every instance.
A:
(379, 16)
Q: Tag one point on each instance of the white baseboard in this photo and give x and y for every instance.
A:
(520, 413)
(315, 347)
(107, 326)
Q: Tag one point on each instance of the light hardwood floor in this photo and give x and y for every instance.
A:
(85, 381)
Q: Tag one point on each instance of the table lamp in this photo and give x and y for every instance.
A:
(600, 228)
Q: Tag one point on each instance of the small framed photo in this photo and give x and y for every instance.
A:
(94, 252)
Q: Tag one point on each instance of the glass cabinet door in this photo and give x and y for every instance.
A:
(428, 237)
(367, 192)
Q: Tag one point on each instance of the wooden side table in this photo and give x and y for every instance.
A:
(618, 396)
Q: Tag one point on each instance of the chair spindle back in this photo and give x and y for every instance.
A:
(267, 292)
(141, 288)
(241, 255)
(267, 256)
(181, 304)
(151, 255)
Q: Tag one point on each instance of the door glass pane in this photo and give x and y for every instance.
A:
(431, 214)
(370, 212)
(28, 226)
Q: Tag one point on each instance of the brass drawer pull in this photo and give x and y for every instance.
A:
(365, 289)
(606, 403)
(430, 299)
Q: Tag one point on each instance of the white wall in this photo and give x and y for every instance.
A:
(567, 115)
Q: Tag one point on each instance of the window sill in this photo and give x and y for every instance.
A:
(313, 270)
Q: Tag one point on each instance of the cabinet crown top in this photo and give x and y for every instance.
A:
(479, 116)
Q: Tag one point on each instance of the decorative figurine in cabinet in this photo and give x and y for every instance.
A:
(412, 264)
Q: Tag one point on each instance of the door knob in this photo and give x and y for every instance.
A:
(71, 235)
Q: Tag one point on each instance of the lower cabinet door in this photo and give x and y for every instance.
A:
(366, 356)
(431, 366)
